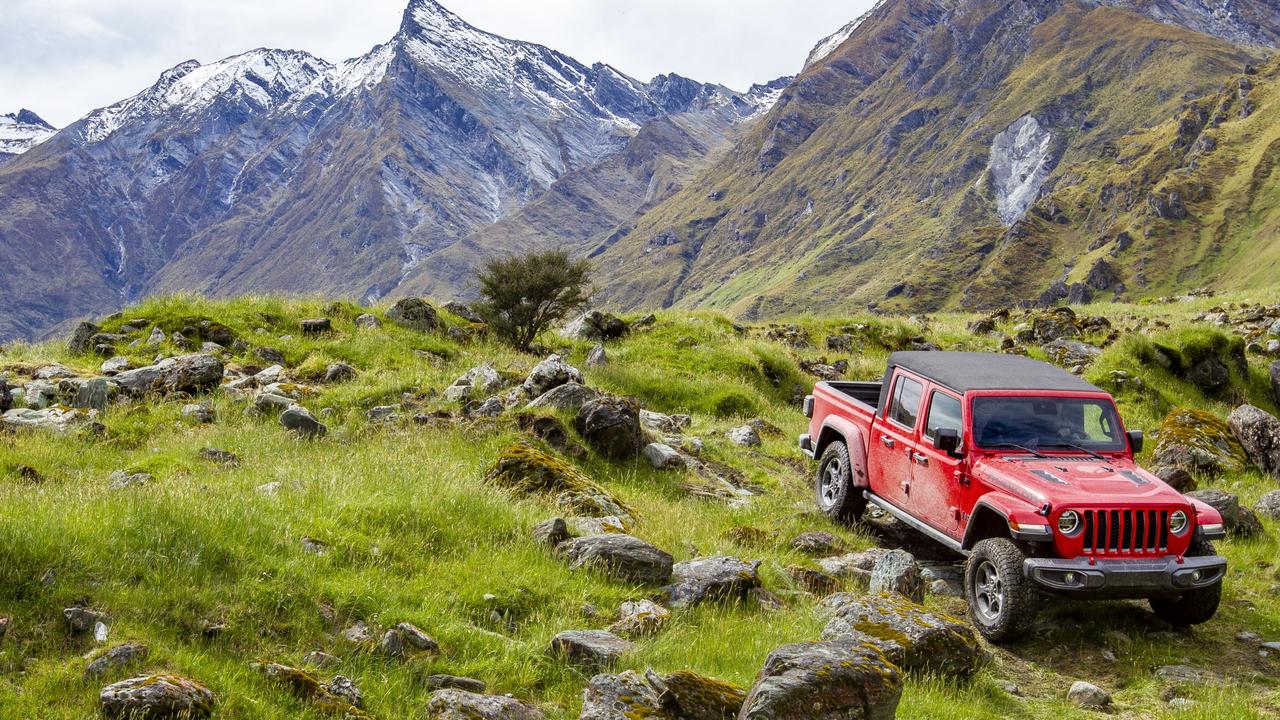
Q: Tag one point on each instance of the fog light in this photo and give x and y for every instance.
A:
(1196, 575)
(1070, 578)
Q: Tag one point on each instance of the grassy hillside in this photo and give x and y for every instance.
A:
(410, 531)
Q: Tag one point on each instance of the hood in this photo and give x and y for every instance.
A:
(1076, 480)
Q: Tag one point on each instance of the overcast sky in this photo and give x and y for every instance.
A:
(63, 58)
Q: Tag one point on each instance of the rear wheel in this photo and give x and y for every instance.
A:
(1001, 601)
(1193, 607)
(837, 498)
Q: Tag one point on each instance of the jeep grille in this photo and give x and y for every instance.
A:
(1126, 532)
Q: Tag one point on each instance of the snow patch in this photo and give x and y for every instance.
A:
(828, 45)
(21, 131)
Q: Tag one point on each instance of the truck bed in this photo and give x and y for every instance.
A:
(866, 394)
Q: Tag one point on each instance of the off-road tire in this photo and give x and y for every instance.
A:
(994, 570)
(1193, 607)
(833, 486)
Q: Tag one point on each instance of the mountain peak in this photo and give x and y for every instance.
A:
(21, 131)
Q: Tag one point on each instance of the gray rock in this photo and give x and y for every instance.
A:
(1183, 704)
(711, 578)
(115, 658)
(392, 644)
(190, 374)
(591, 649)
(463, 310)
(745, 435)
(1259, 433)
(1268, 505)
(834, 680)
(1183, 674)
(319, 659)
(1088, 696)
(365, 321)
(415, 314)
(1068, 352)
(1238, 521)
(201, 413)
(1177, 478)
(551, 532)
(40, 394)
(301, 421)
(339, 372)
(897, 572)
(818, 543)
(663, 424)
(158, 696)
(625, 696)
(621, 556)
(116, 365)
(92, 395)
(80, 619)
(1209, 374)
(479, 381)
(1274, 370)
(120, 480)
(597, 357)
(315, 326)
(912, 637)
(269, 403)
(638, 618)
(611, 426)
(414, 637)
(271, 355)
(595, 325)
(569, 396)
(358, 634)
(550, 373)
(81, 337)
(663, 457)
(343, 687)
(440, 682)
(53, 419)
(453, 704)
(596, 525)
(493, 407)
(54, 371)
(382, 413)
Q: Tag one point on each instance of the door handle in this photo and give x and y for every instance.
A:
(888, 441)
(920, 458)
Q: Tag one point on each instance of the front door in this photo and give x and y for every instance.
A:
(936, 491)
(894, 440)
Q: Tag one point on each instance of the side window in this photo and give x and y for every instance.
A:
(944, 412)
(906, 402)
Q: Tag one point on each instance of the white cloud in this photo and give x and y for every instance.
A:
(63, 58)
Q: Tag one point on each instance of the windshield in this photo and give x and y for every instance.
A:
(1038, 423)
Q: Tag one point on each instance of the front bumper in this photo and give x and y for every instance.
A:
(1115, 577)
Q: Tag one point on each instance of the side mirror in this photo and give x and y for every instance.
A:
(947, 440)
(1135, 441)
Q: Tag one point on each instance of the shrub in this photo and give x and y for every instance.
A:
(525, 294)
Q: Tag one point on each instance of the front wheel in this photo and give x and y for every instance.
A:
(1001, 601)
(1193, 607)
(837, 498)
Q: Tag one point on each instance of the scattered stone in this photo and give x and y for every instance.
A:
(80, 619)
(698, 697)
(818, 543)
(834, 680)
(479, 381)
(596, 525)
(597, 357)
(611, 426)
(313, 546)
(191, 374)
(1259, 433)
(569, 396)
(912, 637)
(1069, 353)
(1088, 696)
(92, 394)
(319, 659)
(358, 634)
(1183, 704)
(300, 420)
(382, 413)
(415, 314)
(342, 687)
(818, 583)
(270, 355)
(1182, 674)
(638, 618)
(339, 372)
(746, 436)
(199, 413)
(624, 696)
(414, 637)
(551, 532)
(595, 325)
(453, 704)
(897, 572)
(1269, 505)
(526, 470)
(1238, 521)
(663, 457)
(116, 365)
(664, 424)
(591, 649)
(440, 682)
(158, 696)
(315, 326)
(1274, 371)
(365, 321)
(220, 457)
(711, 578)
(620, 556)
(55, 419)
(81, 337)
(120, 479)
(1177, 478)
(552, 372)
(115, 658)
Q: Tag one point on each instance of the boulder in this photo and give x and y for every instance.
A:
(315, 326)
(596, 357)
(611, 426)
(479, 381)
(81, 337)
(463, 310)
(550, 373)
(745, 436)
(833, 680)
(1054, 325)
(625, 696)
(551, 532)
(300, 420)
(698, 697)
(270, 355)
(54, 419)
(813, 581)
(818, 543)
(1199, 443)
(526, 470)
(711, 578)
(914, 638)
(40, 394)
(569, 396)
(595, 325)
(115, 658)
(1268, 505)
(440, 682)
(454, 704)
(1176, 477)
(1210, 374)
(590, 649)
(199, 413)
(638, 618)
(1069, 353)
(663, 457)
(158, 697)
(415, 314)
(897, 572)
(1259, 434)
(365, 321)
(191, 374)
(116, 365)
(92, 394)
(339, 372)
(1238, 521)
(1088, 696)
(620, 556)
(664, 424)
(81, 619)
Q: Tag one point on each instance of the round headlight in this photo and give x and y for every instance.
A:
(1178, 522)
(1069, 522)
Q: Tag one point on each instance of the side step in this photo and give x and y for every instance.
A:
(915, 524)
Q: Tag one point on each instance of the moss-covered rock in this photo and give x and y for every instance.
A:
(832, 680)
(308, 688)
(699, 697)
(1198, 442)
(158, 697)
(526, 470)
(913, 637)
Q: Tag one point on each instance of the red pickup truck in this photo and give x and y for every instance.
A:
(1025, 469)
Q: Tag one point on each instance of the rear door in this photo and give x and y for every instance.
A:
(892, 440)
(936, 492)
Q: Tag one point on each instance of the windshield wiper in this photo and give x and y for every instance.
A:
(1073, 446)
(1014, 446)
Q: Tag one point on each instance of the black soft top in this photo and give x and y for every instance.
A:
(964, 371)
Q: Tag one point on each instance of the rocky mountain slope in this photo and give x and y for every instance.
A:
(276, 510)
(915, 165)
(21, 131)
(275, 170)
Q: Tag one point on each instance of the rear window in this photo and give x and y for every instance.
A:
(944, 412)
(905, 405)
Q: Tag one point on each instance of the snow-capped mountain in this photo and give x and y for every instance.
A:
(276, 170)
(21, 131)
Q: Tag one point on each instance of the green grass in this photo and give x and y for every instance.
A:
(414, 533)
